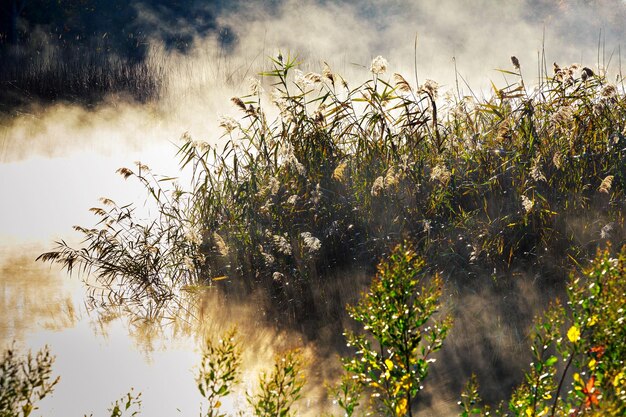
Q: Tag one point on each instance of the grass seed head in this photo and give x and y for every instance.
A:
(401, 83)
(605, 185)
(379, 65)
(515, 62)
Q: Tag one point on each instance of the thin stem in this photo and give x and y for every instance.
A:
(558, 390)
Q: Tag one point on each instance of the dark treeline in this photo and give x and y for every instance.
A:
(117, 26)
(81, 50)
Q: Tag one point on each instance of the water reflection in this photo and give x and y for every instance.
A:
(32, 298)
(99, 358)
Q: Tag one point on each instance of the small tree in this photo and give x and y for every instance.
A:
(219, 371)
(279, 390)
(399, 333)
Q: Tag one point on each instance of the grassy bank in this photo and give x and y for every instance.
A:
(524, 179)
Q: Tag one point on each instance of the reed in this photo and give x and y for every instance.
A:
(524, 178)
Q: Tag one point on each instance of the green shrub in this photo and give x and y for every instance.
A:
(581, 345)
(279, 390)
(219, 371)
(400, 335)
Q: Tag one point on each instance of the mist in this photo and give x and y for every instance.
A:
(58, 158)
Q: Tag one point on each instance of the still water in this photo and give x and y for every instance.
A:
(47, 185)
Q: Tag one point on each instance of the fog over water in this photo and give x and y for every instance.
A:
(56, 160)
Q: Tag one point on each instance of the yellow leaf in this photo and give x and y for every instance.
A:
(592, 320)
(402, 407)
(219, 278)
(389, 364)
(544, 412)
(592, 364)
(573, 334)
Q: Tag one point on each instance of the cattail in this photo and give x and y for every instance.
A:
(609, 91)
(504, 130)
(557, 159)
(605, 232)
(220, 246)
(431, 88)
(379, 65)
(535, 170)
(401, 83)
(125, 172)
(311, 244)
(278, 98)
(318, 117)
(296, 165)
(267, 257)
(605, 185)
(427, 226)
(564, 116)
(378, 187)
(107, 201)
(142, 167)
(440, 173)
(254, 85)
(293, 199)
(273, 186)
(193, 236)
(392, 179)
(515, 62)
(98, 211)
(312, 78)
(282, 245)
(228, 123)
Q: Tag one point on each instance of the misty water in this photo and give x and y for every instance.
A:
(57, 160)
(45, 193)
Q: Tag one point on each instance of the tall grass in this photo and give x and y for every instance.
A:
(79, 75)
(529, 178)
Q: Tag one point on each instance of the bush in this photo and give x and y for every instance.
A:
(399, 337)
(581, 345)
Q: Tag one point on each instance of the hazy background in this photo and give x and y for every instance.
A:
(58, 157)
